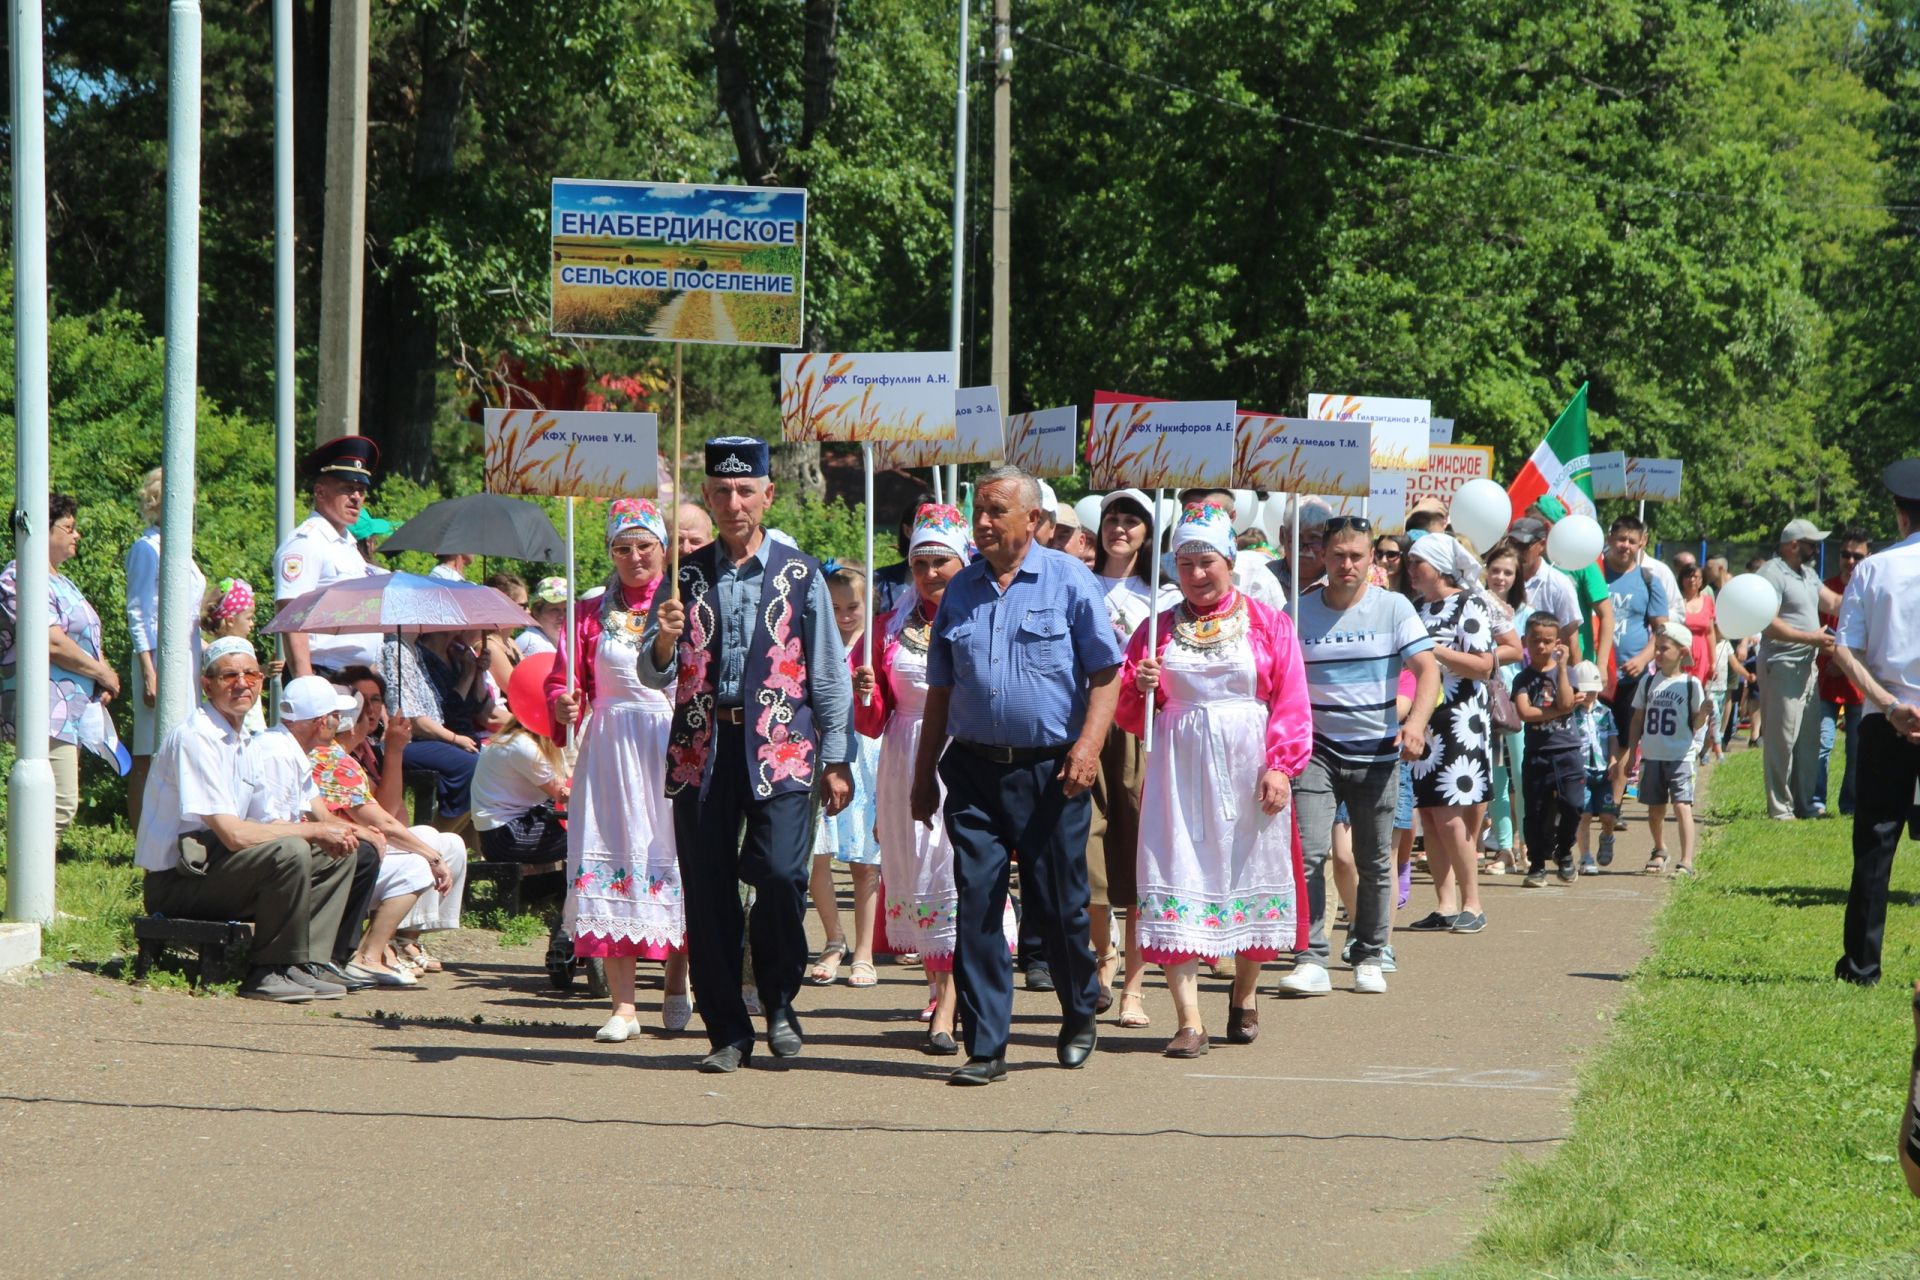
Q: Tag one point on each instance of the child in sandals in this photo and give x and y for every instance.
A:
(1668, 710)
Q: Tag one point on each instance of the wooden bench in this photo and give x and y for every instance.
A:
(507, 877)
(213, 940)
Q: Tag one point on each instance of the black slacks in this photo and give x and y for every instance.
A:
(992, 809)
(773, 854)
(1889, 766)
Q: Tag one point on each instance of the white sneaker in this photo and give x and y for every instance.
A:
(1368, 980)
(618, 1030)
(1308, 980)
(676, 1012)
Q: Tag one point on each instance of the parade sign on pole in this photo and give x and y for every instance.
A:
(1653, 479)
(976, 435)
(1402, 429)
(1301, 455)
(1607, 474)
(1440, 431)
(1448, 467)
(1172, 444)
(564, 453)
(866, 397)
(1041, 443)
(669, 262)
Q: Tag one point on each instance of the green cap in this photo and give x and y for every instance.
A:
(369, 526)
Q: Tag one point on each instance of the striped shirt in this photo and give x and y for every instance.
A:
(1353, 658)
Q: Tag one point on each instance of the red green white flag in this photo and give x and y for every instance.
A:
(1560, 465)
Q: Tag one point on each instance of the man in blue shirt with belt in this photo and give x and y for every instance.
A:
(763, 720)
(1021, 670)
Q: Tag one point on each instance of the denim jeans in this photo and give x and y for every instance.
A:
(1830, 713)
(1370, 793)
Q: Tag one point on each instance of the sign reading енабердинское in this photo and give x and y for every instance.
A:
(671, 262)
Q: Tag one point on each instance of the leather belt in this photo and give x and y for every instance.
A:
(1012, 755)
(730, 715)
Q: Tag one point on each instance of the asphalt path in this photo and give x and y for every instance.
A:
(474, 1123)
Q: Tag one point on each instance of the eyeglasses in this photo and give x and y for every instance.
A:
(253, 678)
(1359, 524)
(1851, 556)
(1388, 555)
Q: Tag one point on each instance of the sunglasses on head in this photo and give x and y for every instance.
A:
(1339, 524)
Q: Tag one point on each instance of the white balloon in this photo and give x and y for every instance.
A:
(1745, 606)
(1088, 509)
(1246, 510)
(1273, 518)
(1575, 542)
(1480, 514)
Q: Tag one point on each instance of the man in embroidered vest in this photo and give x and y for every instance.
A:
(763, 713)
(1021, 672)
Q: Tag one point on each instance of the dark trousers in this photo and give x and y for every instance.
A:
(292, 894)
(1889, 767)
(1553, 789)
(366, 869)
(992, 809)
(452, 771)
(534, 836)
(774, 857)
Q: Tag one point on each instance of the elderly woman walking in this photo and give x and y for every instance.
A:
(1453, 778)
(623, 899)
(1219, 870)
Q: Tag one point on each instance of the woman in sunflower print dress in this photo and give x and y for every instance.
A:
(1452, 781)
(1219, 869)
(623, 873)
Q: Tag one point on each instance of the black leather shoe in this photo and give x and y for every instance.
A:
(1039, 977)
(941, 1045)
(783, 1033)
(725, 1060)
(1076, 1043)
(980, 1071)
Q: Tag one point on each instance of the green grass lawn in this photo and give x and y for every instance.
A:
(1741, 1120)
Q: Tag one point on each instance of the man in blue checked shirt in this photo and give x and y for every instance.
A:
(1022, 668)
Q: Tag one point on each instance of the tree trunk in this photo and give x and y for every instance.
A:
(757, 160)
(402, 349)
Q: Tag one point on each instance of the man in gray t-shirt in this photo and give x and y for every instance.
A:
(1789, 713)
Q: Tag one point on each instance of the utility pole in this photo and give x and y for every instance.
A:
(343, 247)
(179, 607)
(30, 781)
(952, 493)
(1002, 363)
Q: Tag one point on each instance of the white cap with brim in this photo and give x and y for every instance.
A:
(1587, 678)
(1677, 632)
(1803, 531)
(310, 697)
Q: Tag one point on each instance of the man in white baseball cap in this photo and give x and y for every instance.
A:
(1789, 709)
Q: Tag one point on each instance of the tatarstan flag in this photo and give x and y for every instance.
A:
(1559, 465)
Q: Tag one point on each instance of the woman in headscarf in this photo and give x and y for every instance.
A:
(1219, 870)
(1452, 781)
(916, 859)
(623, 873)
(1123, 562)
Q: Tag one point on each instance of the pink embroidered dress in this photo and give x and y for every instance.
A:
(1218, 876)
(916, 862)
(623, 871)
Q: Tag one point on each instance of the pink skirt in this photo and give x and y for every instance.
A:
(1155, 955)
(595, 946)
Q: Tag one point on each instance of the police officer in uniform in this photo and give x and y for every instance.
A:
(1877, 647)
(321, 551)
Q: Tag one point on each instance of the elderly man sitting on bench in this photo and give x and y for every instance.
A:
(205, 860)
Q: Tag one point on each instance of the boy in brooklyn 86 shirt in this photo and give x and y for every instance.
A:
(1668, 710)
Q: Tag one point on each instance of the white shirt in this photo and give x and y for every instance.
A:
(533, 640)
(201, 768)
(1670, 703)
(318, 555)
(143, 593)
(1551, 592)
(448, 572)
(509, 778)
(1880, 618)
(1252, 577)
(284, 789)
